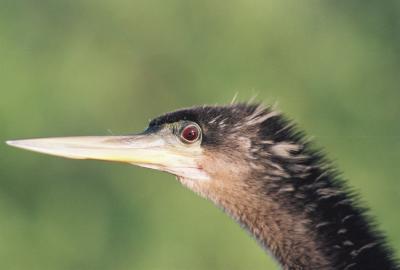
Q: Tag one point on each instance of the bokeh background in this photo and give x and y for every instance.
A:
(106, 67)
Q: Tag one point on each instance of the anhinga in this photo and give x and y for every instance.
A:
(253, 163)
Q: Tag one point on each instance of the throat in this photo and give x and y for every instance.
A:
(313, 227)
(285, 235)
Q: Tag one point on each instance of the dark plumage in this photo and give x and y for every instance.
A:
(253, 163)
(290, 173)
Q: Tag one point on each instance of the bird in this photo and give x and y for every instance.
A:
(253, 162)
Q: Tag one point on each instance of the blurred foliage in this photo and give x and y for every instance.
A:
(98, 67)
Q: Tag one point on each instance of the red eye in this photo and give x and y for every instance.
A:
(190, 133)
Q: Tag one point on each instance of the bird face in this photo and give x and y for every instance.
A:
(171, 147)
(199, 145)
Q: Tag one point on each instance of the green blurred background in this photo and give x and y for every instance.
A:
(100, 67)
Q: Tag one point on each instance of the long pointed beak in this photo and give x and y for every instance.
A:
(131, 149)
(149, 150)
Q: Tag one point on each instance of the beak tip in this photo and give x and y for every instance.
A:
(11, 143)
(16, 143)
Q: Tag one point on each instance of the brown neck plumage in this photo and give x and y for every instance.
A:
(286, 235)
(324, 232)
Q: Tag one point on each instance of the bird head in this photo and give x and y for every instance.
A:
(255, 165)
(202, 146)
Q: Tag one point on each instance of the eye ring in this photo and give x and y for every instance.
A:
(190, 133)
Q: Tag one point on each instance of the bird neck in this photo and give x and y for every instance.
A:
(312, 224)
(284, 234)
